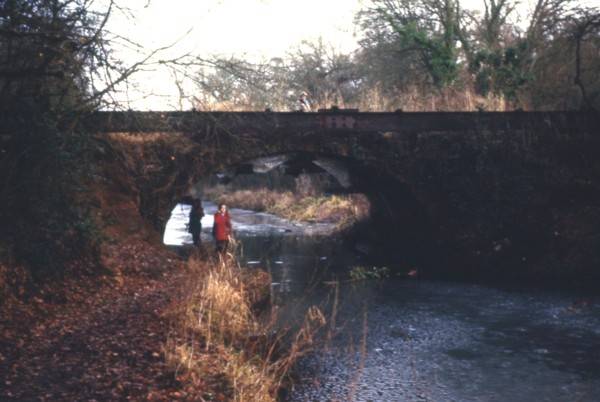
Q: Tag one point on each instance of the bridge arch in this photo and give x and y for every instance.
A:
(398, 228)
(491, 187)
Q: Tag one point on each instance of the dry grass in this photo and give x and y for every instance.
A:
(219, 347)
(342, 209)
(345, 210)
(138, 138)
(257, 200)
(417, 99)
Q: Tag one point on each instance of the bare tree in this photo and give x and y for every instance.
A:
(585, 24)
(330, 77)
(56, 64)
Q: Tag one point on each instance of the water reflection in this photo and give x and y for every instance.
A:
(245, 223)
(453, 342)
(418, 340)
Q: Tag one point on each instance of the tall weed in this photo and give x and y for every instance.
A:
(219, 344)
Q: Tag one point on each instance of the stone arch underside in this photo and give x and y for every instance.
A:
(398, 227)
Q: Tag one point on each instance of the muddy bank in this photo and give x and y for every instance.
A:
(106, 334)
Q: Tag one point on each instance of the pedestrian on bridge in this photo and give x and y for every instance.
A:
(303, 102)
(222, 228)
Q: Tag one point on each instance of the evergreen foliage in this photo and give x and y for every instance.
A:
(431, 55)
(50, 53)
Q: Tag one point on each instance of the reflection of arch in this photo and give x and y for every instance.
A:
(292, 163)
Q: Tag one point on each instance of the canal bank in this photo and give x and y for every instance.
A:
(396, 339)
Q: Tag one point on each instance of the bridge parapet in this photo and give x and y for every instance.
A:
(332, 119)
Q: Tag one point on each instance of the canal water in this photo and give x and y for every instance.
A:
(398, 339)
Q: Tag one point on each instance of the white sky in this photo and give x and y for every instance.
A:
(252, 28)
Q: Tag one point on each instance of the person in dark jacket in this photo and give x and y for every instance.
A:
(195, 223)
(222, 228)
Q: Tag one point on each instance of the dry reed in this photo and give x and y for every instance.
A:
(220, 346)
(345, 210)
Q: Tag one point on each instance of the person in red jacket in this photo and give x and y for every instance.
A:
(222, 228)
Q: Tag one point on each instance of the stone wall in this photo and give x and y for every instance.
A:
(512, 195)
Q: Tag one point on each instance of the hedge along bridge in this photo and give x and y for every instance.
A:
(471, 179)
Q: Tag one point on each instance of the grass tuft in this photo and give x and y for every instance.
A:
(220, 348)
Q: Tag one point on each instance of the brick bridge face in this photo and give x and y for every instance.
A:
(386, 140)
(480, 178)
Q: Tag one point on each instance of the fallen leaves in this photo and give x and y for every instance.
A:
(102, 345)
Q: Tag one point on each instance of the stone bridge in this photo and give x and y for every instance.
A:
(483, 191)
(346, 132)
